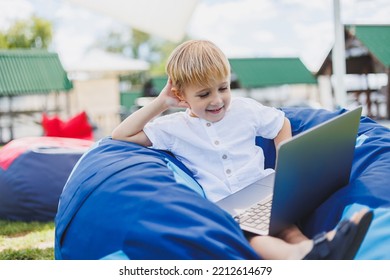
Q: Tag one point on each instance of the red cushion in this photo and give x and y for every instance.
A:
(76, 127)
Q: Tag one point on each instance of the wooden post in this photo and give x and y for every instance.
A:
(338, 58)
(67, 101)
(11, 119)
(388, 94)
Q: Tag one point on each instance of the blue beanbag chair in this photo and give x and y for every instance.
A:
(123, 197)
(124, 201)
(33, 171)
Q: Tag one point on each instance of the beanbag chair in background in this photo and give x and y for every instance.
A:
(76, 127)
(33, 172)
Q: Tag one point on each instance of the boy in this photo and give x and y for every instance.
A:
(215, 136)
(215, 139)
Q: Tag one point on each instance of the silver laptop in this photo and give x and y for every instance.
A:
(310, 167)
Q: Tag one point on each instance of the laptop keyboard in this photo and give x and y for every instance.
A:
(257, 216)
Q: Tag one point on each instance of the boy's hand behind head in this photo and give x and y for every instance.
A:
(172, 96)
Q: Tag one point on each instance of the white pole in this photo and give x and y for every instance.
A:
(338, 58)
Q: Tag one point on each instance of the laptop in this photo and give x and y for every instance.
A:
(310, 167)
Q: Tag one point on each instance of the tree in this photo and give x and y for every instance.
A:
(139, 39)
(128, 43)
(33, 33)
(140, 45)
(164, 50)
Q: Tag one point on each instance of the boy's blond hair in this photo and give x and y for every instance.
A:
(197, 63)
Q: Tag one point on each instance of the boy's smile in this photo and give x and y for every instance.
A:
(215, 111)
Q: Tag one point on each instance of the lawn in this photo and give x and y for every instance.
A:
(26, 240)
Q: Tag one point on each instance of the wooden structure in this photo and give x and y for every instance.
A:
(367, 52)
(25, 73)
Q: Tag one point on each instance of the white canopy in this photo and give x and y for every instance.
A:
(164, 18)
(101, 62)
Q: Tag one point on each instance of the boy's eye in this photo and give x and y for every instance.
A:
(223, 88)
(203, 95)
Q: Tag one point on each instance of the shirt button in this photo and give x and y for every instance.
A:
(224, 157)
(228, 171)
(216, 142)
(208, 124)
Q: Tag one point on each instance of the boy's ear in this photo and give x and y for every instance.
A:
(183, 103)
(178, 94)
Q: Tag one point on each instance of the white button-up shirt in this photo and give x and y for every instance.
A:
(222, 155)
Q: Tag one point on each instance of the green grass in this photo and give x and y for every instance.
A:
(26, 240)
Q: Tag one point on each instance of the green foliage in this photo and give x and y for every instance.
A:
(3, 41)
(140, 45)
(33, 33)
(128, 43)
(139, 38)
(164, 49)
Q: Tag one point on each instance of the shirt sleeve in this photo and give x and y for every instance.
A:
(269, 120)
(158, 133)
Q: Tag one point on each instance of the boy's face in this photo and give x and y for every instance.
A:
(209, 103)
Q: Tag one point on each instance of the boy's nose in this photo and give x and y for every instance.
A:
(216, 99)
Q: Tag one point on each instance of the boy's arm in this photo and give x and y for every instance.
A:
(131, 129)
(284, 134)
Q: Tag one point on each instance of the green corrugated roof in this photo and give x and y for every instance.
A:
(377, 39)
(263, 72)
(24, 72)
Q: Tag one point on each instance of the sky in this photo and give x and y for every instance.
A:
(241, 28)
